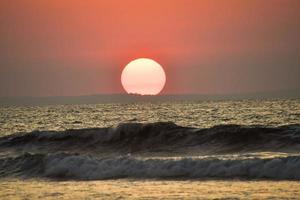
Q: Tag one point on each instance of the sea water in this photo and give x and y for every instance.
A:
(192, 150)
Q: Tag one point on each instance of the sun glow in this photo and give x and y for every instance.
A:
(143, 76)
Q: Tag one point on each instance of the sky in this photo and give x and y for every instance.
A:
(79, 47)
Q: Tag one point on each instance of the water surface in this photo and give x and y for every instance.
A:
(184, 150)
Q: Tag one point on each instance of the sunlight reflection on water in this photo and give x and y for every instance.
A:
(148, 189)
(196, 114)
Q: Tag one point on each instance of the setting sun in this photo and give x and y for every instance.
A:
(143, 76)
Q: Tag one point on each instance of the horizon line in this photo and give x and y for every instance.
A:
(160, 95)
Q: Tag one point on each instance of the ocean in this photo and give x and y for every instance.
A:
(247, 149)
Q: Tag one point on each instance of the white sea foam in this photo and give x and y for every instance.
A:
(85, 167)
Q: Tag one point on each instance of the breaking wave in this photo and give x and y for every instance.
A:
(161, 136)
(129, 150)
(80, 167)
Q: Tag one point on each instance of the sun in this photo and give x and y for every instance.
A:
(143, 76)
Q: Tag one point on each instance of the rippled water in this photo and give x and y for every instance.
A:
(152, 161)
(149, 189)
(196, 114)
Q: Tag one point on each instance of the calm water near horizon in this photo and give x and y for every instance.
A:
(200, 114)
(259, 160)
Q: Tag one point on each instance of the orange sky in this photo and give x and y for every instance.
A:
(75, 47)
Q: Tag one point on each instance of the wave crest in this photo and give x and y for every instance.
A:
(161, 136)
(72, 166)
